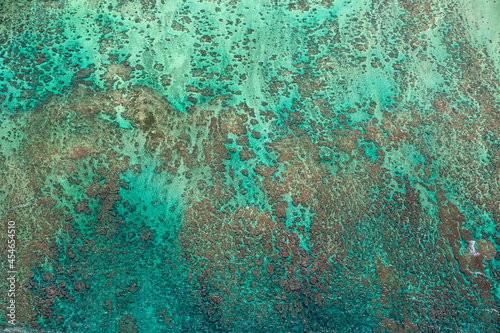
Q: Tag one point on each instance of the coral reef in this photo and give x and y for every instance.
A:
(251, 166)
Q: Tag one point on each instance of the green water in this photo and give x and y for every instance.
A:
(251, 166)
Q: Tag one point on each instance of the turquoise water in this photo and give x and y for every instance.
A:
(251, 166)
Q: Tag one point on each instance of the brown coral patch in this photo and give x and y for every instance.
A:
(486, 249)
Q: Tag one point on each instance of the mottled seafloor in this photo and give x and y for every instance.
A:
(252, 165)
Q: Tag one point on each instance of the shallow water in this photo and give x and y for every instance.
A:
(251, 166)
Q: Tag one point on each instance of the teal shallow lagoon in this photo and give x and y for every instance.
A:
(249, 166)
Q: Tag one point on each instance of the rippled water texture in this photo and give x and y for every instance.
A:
(252, 165)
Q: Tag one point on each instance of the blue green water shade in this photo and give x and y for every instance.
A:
(251, 166)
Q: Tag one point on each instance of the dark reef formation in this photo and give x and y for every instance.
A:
(252, 166)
